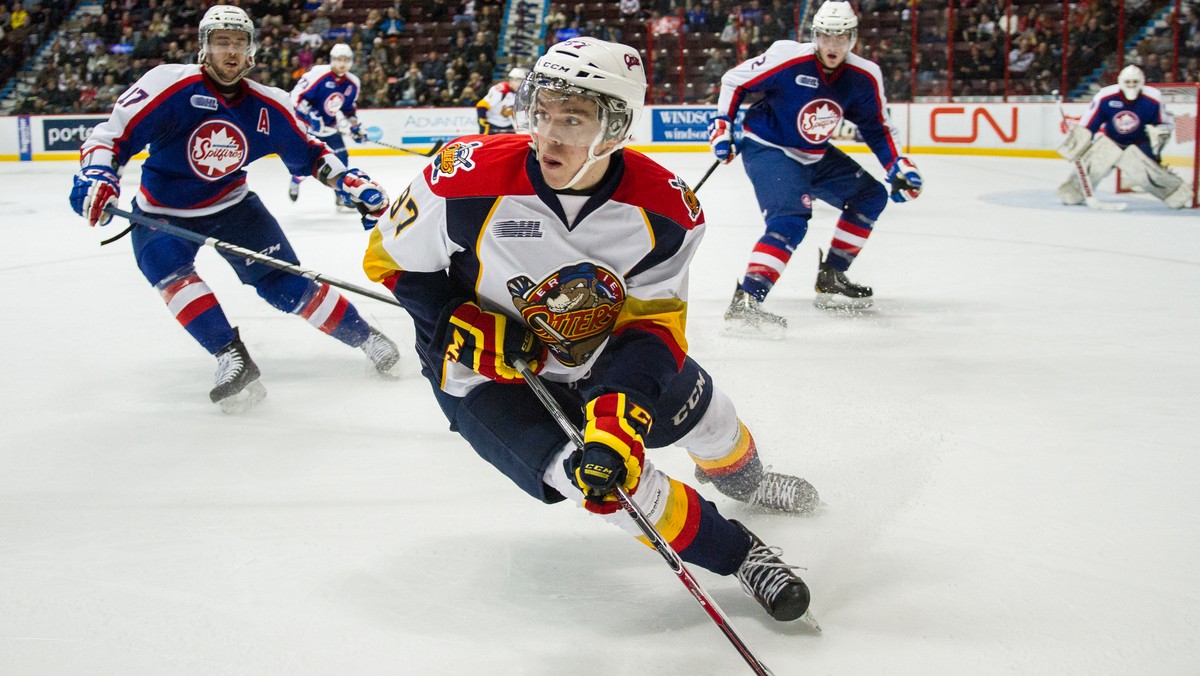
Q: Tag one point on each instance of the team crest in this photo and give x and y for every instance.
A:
(818, 120)
(689, 197)
(1126, 122)
(216, 149)
(573, 311)
(333, 104)
(452, 158)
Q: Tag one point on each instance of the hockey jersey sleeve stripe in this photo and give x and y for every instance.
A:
(377, 262)
(666, 319)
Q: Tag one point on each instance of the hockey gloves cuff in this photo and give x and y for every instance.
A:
(96, 186)
(489, 343)
(356, 187)
(612, 452)
(720, 139)
(905, 179)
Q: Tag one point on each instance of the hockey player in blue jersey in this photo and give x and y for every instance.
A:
(203, 124)
(806, 91)
(322, 96)
(1125, 127)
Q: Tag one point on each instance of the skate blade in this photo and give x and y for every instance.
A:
(809, 619)
(736, 328)
(245, 400)
(392, 372)
(833, 301)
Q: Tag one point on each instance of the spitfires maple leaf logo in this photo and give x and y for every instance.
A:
(216, 149)
(333, 104)
(818, 120)
(1126, 122)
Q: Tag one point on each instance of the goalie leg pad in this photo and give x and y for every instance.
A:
(1077, 142)
(1100, 158)
(1071, 192)
(1139, 170)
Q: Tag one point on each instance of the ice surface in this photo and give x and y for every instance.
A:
(1007, 445)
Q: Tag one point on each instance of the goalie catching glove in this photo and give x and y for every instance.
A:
(488, 343)
(612, 453)
(905, 179)
(96, 186)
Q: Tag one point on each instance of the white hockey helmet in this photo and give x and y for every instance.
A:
(1131, 80)
(836, 17)
(227, 18)
(518, 73)
(341, 51)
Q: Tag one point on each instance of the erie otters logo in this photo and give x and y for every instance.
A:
(452, 158)
(689, 197)
(216, 149)
(572, 311)
(818, 120)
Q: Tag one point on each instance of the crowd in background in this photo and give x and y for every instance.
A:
(95, 56)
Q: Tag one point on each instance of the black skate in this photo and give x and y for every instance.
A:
(293, 190)
(746, 318)
(835, 292)
(772, 583)
(382, 352)
(774, 491)
(237, 386)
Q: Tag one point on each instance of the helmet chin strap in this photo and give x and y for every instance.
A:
(592, 159)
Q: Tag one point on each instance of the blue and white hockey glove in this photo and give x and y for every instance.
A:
(720, 139)
(96, 186)
(357, 133)
(905, 179)
(313, 119)
(356, 187)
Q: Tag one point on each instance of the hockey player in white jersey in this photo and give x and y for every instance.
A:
(203, 124)
(573, 254)
(1125, 128)
(806, 91)
(323, 97)
(495, 109)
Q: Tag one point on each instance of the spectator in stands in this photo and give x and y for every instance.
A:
(631, 10)
(1021, 57)
(1045, 58)
(409, 87)
(18, 18)
(393, 25)
(433, 70)
(436, 11)
(1152, 67)
(715, 66)
(309, 37)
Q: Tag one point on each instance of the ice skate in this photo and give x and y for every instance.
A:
(835, 292)
(293, 190)
(382, 352)
(237, 387)
(341, 204)
(772, 583)
(774, 491)
(745, 318)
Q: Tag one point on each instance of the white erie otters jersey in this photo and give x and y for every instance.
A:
(607, 276)
(499, 103)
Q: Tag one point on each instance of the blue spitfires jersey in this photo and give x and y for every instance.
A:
(801, 108)
(1124, 121)
(322, 91)
(200, 142)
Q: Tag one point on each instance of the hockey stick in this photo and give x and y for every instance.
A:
(183, 233)
(643, 522)
(715, 164)
(1085, 181)
(429, 153)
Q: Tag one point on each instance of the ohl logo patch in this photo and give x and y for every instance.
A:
(1126, 122)
(333, 104)
(573, 311)
(818, 120)
(216, 149)
(689, 197)
(452, 158)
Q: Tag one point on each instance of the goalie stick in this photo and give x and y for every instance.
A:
(184, 233)
(643, 522)
(1085, 181)
(429, 153)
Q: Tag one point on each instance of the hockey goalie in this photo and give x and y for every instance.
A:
(1125, 127)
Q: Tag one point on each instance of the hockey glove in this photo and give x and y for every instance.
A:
(356, 187)
(313, 119)
(488, 343)
(612, 452)
(357, 133)
(720, 139)
(96, 186)
(905, 179)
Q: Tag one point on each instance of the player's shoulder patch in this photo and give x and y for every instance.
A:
(477, 166)
(650, 186)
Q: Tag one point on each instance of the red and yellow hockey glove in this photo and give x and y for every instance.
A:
(612, 452)
(489, 343)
